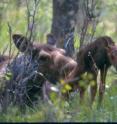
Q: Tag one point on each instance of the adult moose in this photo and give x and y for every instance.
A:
(36, 58)
(25, 79)
(55, 57)
(98, 55)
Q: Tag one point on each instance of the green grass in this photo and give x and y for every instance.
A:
(67, 111)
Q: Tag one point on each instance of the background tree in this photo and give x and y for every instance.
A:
(63, 23)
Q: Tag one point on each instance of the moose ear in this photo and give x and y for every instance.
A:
(51, 39)
(21, 42)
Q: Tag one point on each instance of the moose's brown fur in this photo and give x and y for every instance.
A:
(97, 56)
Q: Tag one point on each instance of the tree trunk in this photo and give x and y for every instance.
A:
(63, 23)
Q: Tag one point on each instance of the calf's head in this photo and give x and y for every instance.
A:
(112, 54)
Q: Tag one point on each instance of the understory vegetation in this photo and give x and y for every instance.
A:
(67, 111)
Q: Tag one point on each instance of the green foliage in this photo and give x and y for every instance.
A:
(107, 22)
(17, 18)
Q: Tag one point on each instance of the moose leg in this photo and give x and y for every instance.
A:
(102, 85)
(93, 89)
(82, 92)
(45, 92)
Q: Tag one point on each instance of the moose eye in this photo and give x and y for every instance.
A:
(42, 58)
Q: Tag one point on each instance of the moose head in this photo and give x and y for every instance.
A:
(52, 60)
(112, 54)
(24, 45)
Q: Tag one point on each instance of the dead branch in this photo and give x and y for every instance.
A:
(91, 18)
(31, 18)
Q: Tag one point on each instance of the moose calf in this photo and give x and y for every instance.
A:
(98, 55)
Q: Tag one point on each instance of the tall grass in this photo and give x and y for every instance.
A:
(67, 111)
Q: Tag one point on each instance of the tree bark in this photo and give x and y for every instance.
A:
(63, 23)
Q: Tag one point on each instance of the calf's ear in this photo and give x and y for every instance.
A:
(51, 39)
(21, 42)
